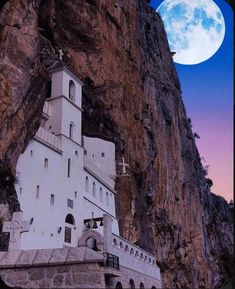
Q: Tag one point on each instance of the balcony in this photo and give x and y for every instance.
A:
(49, 139)
(112, 261)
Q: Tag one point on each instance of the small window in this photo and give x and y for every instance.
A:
(87, 184)
(107, 198)
(37, 191)
(101, 194)
(126, 248)
(76, 153)
(52, 200)
(71, 90)
(70, 203)
(93, 155)
(94, 189)
(102, 155)
(85, 152)
(71, 130)
(45, 163)
(48, 89)
(68, 168)
(31, 153)
(75, 194)
(20, 190)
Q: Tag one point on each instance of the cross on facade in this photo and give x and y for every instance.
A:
(124, 166)
(15, 227)
(61, 54)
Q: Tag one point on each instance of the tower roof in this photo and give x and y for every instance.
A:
(60, 65)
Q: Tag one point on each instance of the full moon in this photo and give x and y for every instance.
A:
(195, 29)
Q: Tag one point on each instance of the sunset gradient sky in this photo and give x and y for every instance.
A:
(208, 96)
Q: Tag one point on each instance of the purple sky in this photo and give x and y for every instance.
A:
(208, 96)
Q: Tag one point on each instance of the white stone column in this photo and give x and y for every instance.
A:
(107, 233)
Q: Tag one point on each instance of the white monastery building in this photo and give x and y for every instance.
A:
(66, 183)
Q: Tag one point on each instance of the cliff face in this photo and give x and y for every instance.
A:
(132, 96)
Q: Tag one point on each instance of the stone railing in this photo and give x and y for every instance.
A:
(47, 109)
(48, 138)
(93, 169)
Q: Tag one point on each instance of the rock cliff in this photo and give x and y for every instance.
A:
(132, 96)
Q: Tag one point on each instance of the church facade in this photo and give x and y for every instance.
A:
(66, 186)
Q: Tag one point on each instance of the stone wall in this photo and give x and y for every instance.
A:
(66, 268)
(85, 275)
(52, 268)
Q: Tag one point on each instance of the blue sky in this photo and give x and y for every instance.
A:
(207, 90)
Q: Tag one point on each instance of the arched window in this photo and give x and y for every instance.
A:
(70, 219)
(71, 90)
(71, 130)
(119, 285)
(132, 284)
(68, 230)
(87, 184)
(92, 244)
(114, 242)
(126, 248)
(68, 168)
(107, 198)
(141, 285)
(132, 251)
(101, 194)
(94, 189)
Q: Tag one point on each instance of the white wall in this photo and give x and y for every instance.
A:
(95, 148)
(54, 180)
(60, 85)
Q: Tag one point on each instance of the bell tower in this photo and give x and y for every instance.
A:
(65, 103)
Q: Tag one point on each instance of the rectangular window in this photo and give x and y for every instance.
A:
(67, 235)
(37, 191)
(31, 153)
(102, 155)
(45, 163)
(52, 200)
(68, 168)
(70, 203)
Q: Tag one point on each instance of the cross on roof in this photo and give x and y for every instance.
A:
(124, 166)
(15, 227)
(61, 54)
